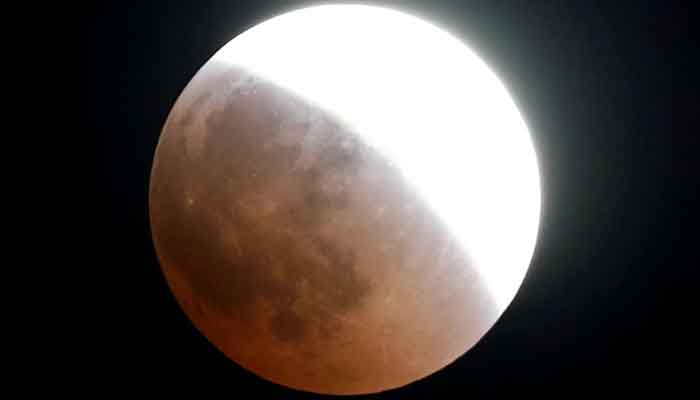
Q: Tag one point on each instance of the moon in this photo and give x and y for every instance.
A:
(344, 199)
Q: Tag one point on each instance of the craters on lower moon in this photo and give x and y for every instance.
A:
(324, 283)
(287, 325)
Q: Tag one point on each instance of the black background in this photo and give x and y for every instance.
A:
(609, 94)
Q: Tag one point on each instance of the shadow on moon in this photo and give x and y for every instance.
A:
(298, 250)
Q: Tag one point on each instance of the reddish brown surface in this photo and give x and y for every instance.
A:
(298, 251)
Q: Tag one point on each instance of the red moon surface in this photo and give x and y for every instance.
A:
(299, 250)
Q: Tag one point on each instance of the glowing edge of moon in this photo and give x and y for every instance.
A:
(430, 105)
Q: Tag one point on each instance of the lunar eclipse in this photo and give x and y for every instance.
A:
(344, 199)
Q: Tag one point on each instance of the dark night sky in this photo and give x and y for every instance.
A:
(607, 91)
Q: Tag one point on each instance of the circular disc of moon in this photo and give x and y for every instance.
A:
(344, 199)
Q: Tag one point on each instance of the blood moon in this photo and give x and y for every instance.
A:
(344, 199)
